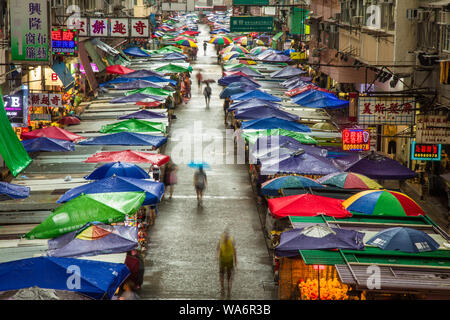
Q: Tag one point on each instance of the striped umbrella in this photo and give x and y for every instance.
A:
(295, 182)
(220, 40)
(187, 43)
(349, 180)
(257, 50)
(383, 203)
(242, 41)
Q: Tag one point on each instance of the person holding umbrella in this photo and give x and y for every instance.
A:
(200, 182)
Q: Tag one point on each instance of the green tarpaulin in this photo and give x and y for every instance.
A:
(101, 207)
(134, 125)
(150, 91)
(252, 136)
(11, 149)
(172, 68)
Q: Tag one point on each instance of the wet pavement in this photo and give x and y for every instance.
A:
(181, 259)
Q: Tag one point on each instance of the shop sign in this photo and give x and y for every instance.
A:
(425, 152)
(64, 41)
(432, 129)
(93, 66)
(29, 31)
(98, 27)
(81, 24)
(251, 24)
(139, 28)
(298, 18)
(53, 100)
(119, 28)
(386, 110)
(16, 108)
(355, 140)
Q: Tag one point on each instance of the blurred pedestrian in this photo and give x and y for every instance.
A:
(199, 77)
(205, 45)
(200, 182)
(207, 93)
(170, 177)
(154, 170)
(226, 252)
(226, 105)
(128, 291)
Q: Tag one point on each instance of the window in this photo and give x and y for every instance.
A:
(446, 38)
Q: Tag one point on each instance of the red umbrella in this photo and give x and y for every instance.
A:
(191, 33)
(51, 132)
(149, 104)
(307, 205)
(183, 38)
(129, 156)
(118, 69)
(69, 120)
(235, 73)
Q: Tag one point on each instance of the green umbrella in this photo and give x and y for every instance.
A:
(134, 125)
(252, 136)
(101, 207)
(172, 68)
(150, 91)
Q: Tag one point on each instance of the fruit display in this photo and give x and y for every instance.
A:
(331, 289)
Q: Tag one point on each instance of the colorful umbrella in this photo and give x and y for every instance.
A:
(51, 132)
(230, 55)
(260, 42)
(102, 207)
(289, 182)
(94, 239)
(383, 203)
(242, 41)
(404, 239)
(134, 125)
(68, 120)
(220, 40)
(118, 69)
(187, 43)
(129, 156)
(307, 205)
(349, 180)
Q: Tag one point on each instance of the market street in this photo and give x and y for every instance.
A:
(181, 262)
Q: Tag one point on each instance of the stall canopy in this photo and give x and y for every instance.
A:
(51, 132)
(48, 144)
(120, 169)
(101, 207)
(136, 52)
(318, 237)
(126, 139)
(375, 166)
(275, 123)
(307, 205)
(144, 114)
(97, 279)
(225, 81)
(12, 151)
(174, 56)
(257, 94)
(134, 125)
(264, 112)
(153, 190)
(229, 91)
(14, 191)
(136, 97)
(319, 99)
(253, 103)
(109, 83)
(275, 57)
(287, 182)
(349, 180)
(129, 156)
(287, 72)
(248, 71)
(118, 69)
(143, 74)
(94, 239)
(137, 84)
(150, 91)
(252, 136)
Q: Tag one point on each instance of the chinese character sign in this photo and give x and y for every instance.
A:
(29, 30)
(53, 100)
(119, 28)
(98, 27)
(64, 41)
(425, 152)
(81, 24)
(386, 110)
(139, 28)
(355, 140)
(432, 129)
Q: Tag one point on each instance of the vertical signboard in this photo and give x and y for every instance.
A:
(298, 25)
(29, 31)
(64, 41)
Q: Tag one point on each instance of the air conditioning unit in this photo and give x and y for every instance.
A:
(444, 17)
(411, 14)
(357, 20)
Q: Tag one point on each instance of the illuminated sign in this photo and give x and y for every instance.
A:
(64, 41)
(355, 140)
(16, 107)
(425, 152)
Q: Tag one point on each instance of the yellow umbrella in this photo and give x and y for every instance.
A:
(260, 42)
(243, 41)
(187, 43)
(229, 55)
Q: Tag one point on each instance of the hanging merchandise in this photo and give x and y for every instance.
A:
(445, 72)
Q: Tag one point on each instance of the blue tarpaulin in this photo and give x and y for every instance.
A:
(287, 72)
(253, 103)
(144, 114)
(126, 139)
(135, 97)
(174, 56)
(120, 169)
(295, 82)
(105, 239)
(258, 94)
(319, 99)
(136, 52)
(116, 80)
(275, 123)
(275, 57)
(137, 84)
(229, 91)
(225, 81)
(97, 279)
(48, 144)
(153, 190)
(142, 74)
(253, 113)
(14, 191)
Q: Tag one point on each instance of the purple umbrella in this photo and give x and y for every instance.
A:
(275, 57)
(137, 84)
(143, 114)
(253, 113)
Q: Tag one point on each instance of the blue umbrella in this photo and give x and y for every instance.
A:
(258, 94)
(97, 279)
(318, 237)
(253, 103)
(136, 52)
(153, 190)
(319, 99)
(196, 165)
(144, 114)
(403, 239)
(14, 191)
(287, 72)
(126, 139)
(120, 169)
(107, 239)
(229, 91)
(275, 123)
(272, 187)
(253, 113)
(48, 144)
(137, 84)
(135, 97)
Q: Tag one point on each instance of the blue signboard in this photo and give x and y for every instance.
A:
(425, 152)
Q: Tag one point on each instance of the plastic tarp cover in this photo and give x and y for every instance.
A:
(48, 144)
(51, 132)
(143, 74)
(287, 72)
(135, 52)
(137, 97)
(14, 191)
(101, 207)
(275, 123)
(126, 139)
(120, 169)
(13, 153)
(134, 125)
(129, 156)
(137, 84)
(258, 94)
(144, 114)
(264, 112)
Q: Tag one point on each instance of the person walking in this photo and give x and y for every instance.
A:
(200, 182)
(226, 105)
(199, 77)
(205, 45)
(170, 177)
(207, 93)
(226, 252)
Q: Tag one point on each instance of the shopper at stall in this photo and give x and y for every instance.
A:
(226, 252)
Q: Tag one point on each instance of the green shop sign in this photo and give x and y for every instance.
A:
(250, 2)
(251, 24)
(298, 18)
